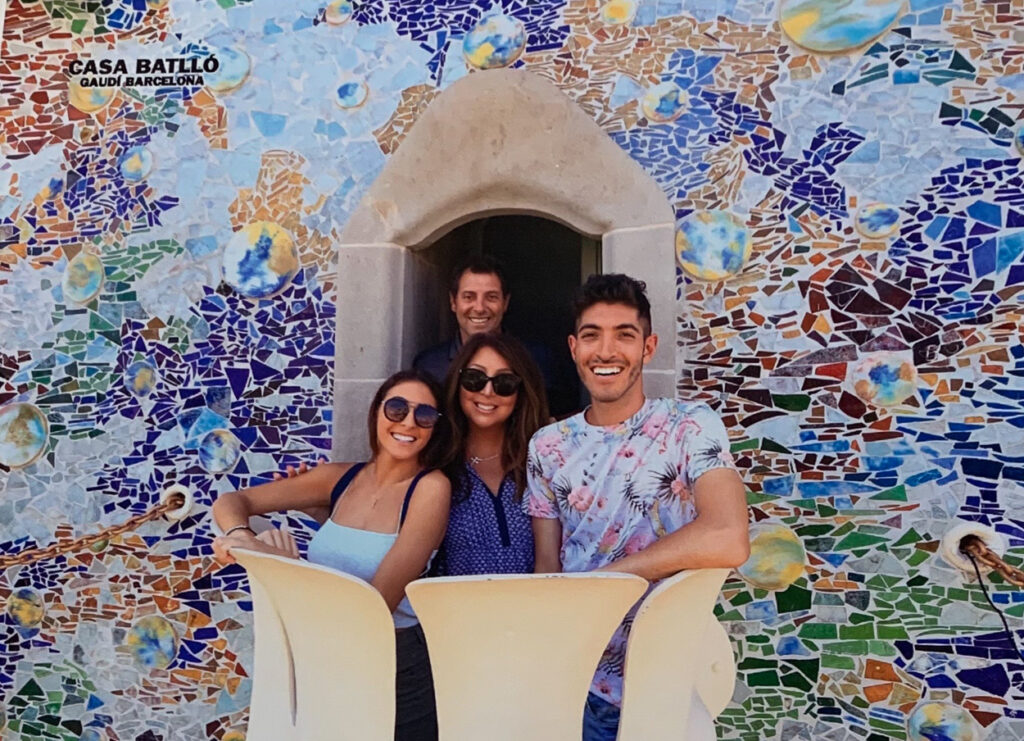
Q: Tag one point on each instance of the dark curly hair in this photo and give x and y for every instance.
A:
(613, 288)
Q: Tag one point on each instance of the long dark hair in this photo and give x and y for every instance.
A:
(529, 414)
(432, 454)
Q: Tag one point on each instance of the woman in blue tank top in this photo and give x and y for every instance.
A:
(382, 521)
(495, 401)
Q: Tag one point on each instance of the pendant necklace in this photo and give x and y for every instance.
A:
(475, 459)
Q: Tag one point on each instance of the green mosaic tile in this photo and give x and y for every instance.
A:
(906, 605)
(858, 540)
(837, 661)
(895, 494)
(909, 538)
(882, 648)
(770, 446)
(796, 681)
(827, 598)
(762, 679)
(752, 663)
(808, 504)
(848, 527)
(874, 530)
(808, 667)
(791, 402)
(810, 531)
(818, 630)
(741, 598)
(918, 558)
(793, 599)
(740, 445)
(850, 648)
(857, 631)
(890, 631)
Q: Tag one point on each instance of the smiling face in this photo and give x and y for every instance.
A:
(484, 408)
(610, 351)
(404, 439)
(479, 304)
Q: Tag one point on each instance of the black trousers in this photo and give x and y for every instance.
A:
(415, 714)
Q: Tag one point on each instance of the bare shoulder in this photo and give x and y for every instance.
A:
(436, 483)
(431, 501)
(333, 470)
(324, 476)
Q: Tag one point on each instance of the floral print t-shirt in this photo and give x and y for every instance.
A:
(618, 489)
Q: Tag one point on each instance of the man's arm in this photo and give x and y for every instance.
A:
(718, 538)
(539, 504)
(547, 545)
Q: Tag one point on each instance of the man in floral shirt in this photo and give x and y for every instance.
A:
(631, 484)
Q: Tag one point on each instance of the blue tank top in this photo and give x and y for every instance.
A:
(359, 552)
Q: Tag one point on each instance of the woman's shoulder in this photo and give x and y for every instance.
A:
(434, 480)
(327, 475)
(432, 494)
(334, 471)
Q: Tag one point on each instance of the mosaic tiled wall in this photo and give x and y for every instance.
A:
(848, 183)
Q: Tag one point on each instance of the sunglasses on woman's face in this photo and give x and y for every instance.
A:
(397, 409)
(474, 379)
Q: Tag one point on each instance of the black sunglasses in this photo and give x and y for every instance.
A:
(474, 379)
(397, 408)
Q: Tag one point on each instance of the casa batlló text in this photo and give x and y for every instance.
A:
(158, 72)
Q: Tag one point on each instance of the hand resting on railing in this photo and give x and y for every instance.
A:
(275, 541)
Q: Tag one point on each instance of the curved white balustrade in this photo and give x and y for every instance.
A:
(715, 686)
(513, 656)
(668, 649)
(272, 702)
(342, 642)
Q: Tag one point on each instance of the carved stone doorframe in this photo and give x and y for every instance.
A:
(495, 142)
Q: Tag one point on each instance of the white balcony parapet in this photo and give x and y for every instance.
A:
(341, 639)
(325, 653)
(513, 656)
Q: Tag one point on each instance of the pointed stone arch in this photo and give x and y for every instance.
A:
(495, 142)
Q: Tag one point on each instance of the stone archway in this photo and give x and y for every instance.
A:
(495, 142)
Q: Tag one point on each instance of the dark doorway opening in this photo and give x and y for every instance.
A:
(545, 261)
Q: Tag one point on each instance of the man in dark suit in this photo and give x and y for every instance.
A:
(478, 296)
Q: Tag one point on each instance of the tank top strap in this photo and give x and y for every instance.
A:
(343, 482)
(408, 495)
